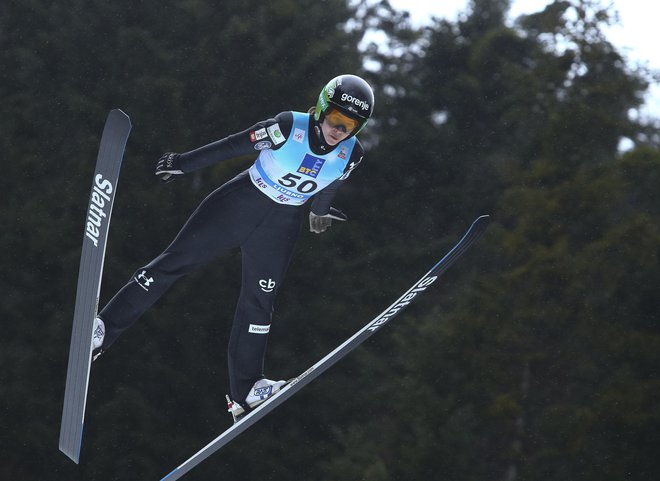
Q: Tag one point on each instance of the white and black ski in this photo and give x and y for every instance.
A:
(296, 384)
(104, 186)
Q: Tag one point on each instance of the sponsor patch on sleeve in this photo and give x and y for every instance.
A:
(256, 135)
(275, 134)
(263, 145)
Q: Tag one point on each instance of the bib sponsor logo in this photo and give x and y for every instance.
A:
(260, 182)
(99, 200)
(311, 166)
(275, 134)
(287, 192)
(299, 135)
(259, 329)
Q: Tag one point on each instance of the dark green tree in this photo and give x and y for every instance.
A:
(533, 359)
(187, 73)
(518, 374)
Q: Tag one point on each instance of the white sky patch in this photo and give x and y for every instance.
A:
(636, 37)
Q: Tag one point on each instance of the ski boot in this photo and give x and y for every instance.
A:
(262, 390)
(97, 338)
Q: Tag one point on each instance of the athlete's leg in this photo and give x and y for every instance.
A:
(219, 223)
(265, 256)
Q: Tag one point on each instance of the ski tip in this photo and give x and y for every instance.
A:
(118, 112)
(481, 222)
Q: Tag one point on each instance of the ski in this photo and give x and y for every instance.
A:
(297, 383)
(95, 234)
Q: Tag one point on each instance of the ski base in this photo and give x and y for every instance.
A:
(109, 160)
(296, 384)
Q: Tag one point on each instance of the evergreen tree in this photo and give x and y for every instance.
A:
(535, 357)
(187, 73)
(517, 375)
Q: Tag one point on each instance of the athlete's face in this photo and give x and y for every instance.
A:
(336, 126)
(331, 134)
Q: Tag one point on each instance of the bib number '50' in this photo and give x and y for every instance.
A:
(292, 181)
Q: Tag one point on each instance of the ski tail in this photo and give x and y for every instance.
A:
(296, 384)
(95, 236)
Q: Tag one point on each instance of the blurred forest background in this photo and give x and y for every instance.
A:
(535, 358)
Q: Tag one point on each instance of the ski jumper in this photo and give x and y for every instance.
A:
(259, 211)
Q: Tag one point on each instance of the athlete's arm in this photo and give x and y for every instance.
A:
(257, 137)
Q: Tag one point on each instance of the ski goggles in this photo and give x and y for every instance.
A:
(338, 120)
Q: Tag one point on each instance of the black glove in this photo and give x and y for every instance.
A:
(319, 223)
(168, 166)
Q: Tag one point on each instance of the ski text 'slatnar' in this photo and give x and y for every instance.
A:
(392, 311)
(99, 198)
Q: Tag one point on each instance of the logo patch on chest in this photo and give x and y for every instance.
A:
(311, 165)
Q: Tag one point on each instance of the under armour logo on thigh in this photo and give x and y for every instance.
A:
(267, 285)
(144, 280)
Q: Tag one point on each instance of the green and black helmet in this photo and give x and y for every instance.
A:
(350, 95)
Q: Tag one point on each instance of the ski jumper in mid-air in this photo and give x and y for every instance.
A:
(302, 156)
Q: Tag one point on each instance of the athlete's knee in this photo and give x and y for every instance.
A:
(167, 267)
(145, 278)
(153, 280)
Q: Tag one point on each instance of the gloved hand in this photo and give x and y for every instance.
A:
(319, 223)
(168, 166)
